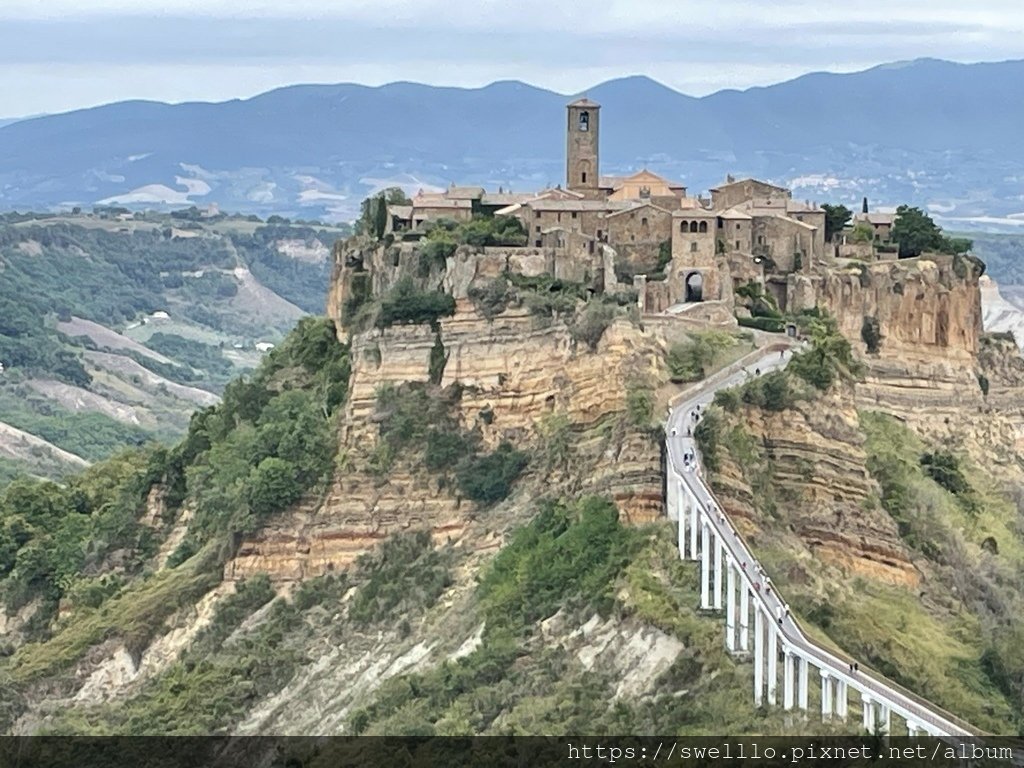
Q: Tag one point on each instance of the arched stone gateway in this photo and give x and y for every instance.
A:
(694, 287)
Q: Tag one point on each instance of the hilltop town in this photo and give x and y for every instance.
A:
(646, 232)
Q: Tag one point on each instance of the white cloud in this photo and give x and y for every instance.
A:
(652, 17)
(63, 54)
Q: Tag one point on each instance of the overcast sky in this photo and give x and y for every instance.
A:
(63, 54)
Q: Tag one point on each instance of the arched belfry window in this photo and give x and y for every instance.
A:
(584, 121)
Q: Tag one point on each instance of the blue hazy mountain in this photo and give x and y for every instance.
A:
(926, 131)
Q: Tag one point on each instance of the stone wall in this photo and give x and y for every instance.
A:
(928, 309)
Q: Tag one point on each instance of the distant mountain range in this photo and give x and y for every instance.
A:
(928, 131)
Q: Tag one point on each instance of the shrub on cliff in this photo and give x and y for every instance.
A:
(590, 324)
(708, 434)
(405, 303)
(492, 298)
(283, 412)
(405, 574)
(871, 334)
(773, 392)
(639, 404)
(689, 361)
(547, 296)
(488, 479)
(829, 358)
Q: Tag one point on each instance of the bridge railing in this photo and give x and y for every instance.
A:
(842, 656)
(721, 375)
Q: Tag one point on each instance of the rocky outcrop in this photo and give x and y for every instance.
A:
(926, 308)
(512, 373)
(808, 463)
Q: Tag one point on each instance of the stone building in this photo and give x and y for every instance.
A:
(582, 173)
(748, 229)
(880, 223)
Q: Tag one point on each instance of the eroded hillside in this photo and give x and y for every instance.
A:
(115, 326)
(440, 511)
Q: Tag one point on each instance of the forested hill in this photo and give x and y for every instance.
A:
(115, 327)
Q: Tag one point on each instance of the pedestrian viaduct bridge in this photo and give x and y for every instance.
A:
(757, 619)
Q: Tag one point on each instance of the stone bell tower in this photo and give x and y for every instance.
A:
(581, 155)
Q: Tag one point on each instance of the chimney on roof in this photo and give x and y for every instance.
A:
(729, 178)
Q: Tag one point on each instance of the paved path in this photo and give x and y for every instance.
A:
(680, 443)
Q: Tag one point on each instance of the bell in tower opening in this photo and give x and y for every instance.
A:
(581, 159)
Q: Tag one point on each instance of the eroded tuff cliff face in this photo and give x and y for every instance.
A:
(924, 369)
(927, 309)
(807, 467)
(511, 373)
(927, 314)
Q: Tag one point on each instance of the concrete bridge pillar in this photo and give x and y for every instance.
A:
(773, 663)
(868, 712)
(911, 728)
(885, 717)
(672, 499)
(730, 606)
(826, 695)
(719, 547)
(788, 670)
(801, 697)
(681, 535)
(842, 700)
(744, 616)
(692, 503)
(758, 656)
(705, 564)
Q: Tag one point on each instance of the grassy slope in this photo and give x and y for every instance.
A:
(933, 639)
(89, 268)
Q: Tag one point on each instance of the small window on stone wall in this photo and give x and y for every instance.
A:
(693, 247)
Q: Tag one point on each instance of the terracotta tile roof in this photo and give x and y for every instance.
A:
(464, 193)
(544, 204)
(695, 212)
(420, 204)
(506, 198)
(636, 207)
(877, 218)
(584, 102)
(743, 181)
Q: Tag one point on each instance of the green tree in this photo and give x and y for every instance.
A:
(862, 233)
(690, 361)
(916, 232)
(272, 486)
(836, 217)
(373, 215)
(488, 479)
(830, 356)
